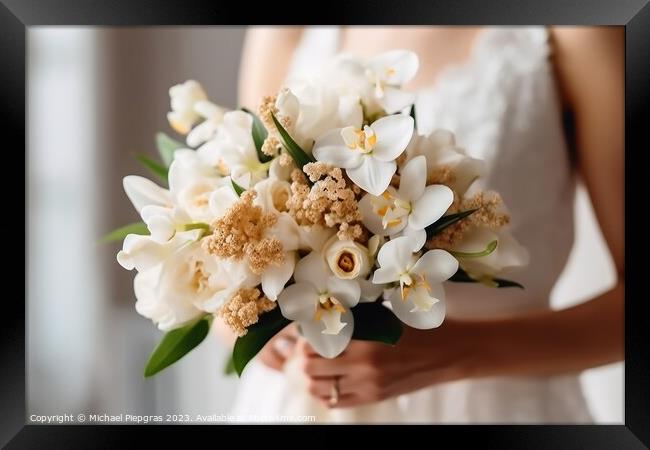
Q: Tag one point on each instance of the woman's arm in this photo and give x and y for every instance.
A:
(265, 59)
(590, 70)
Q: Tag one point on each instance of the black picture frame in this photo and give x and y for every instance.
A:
(634, 15)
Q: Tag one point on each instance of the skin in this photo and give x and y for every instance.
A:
(589, 68)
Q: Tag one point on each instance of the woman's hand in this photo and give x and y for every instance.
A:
(371, 371)
(279, 348)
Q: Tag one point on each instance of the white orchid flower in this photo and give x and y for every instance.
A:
(234, 151)
(184, 98)
(508, 255)
(377, 81)
(387, 73)
(313, 108)
(419, 300)
(411, 208)
(368, 155)
(142, 252)
(321, 304)
(441, 152)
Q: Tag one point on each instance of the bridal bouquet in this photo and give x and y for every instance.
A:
(326, 208)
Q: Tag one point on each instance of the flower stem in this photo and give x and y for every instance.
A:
(489, 249)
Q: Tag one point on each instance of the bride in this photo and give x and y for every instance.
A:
(541, 106)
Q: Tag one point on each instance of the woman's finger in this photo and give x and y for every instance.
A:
(283, 345)
(323, 367)
(305, 348)
(324, 387)
(345, 401)
(271, 358)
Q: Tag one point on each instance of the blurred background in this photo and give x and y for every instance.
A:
(96, 97)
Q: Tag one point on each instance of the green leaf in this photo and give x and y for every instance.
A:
(463, 277)
(166, 147)
(156, 168)
(259, 136)
(176, 344)
(412, 114)
(238, 189)
(375, 322)
(229, 367)
(445, 221)
(120, 233)
(249, 345)
(298, 154)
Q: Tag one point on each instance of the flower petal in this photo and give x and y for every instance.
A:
(142, 252)
(396, 67)
(396, 254)
(385, 275)
(393, 136)
(422, 320)
(275, 277)
(312, 269)
(345, 291)
(350, 111)
(433, 204)
(328, 345)
(413, 179)
(314, 237)
(436, 266)
(419, 237)
(201, 133)
(369, 290)
(371, 220)
(221, 200)
(395, 99)
(331, 149)
(372, 175)
(298, 302)
(142, 192)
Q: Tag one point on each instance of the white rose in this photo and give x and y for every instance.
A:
(347, 259)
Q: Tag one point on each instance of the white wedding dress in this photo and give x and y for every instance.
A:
(503, 107)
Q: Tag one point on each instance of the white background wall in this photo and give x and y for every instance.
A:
(97, 97)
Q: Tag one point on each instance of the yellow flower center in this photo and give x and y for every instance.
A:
(360, 140)
(327, 303)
